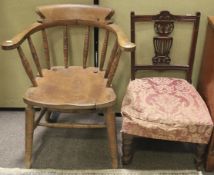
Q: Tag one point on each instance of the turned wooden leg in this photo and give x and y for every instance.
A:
(29, 128)
(127, 148)
(200, 155)
(210, 155)
(112, 137)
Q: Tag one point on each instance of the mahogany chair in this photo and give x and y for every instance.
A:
(164, 107)
(70, 88)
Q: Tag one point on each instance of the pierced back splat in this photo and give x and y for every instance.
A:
(163, 26)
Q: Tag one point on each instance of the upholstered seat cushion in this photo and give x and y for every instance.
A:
(165, 108)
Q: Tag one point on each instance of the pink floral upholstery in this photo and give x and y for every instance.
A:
(166, 108)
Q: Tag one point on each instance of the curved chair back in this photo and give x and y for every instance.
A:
(67, 17)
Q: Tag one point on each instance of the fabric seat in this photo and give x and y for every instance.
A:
(166, 108)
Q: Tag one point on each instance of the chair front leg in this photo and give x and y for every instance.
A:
(112, 137)
(127, 148)
(200, 155)
(29, 129)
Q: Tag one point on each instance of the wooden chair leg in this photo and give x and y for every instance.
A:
(210, 155)
(29, 129)
(112, 138)
(200, 155)
(127, 148)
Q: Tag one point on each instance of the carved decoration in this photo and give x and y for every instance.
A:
(163, 26)
(164, 16)
(162, 46)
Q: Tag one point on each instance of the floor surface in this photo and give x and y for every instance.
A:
(84, 148)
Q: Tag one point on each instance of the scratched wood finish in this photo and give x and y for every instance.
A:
(57, 87)
(75, 11)
(38, 119)
(113, 67)
(71, 125)
(46, 49)
(111, 130)
(26, 66)
(104, 50)
(29, 130)
(17, 40)
(113, 53)
(35, 56)
(71, 88)
(86, 46)
(65, 37)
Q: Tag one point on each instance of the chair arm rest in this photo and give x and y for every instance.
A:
(19, 38)
(123, 40)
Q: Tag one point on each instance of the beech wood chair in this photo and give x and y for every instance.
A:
(162, 107)
(70, 88)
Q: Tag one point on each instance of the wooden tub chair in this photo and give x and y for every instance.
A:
(164, 107)
(70, 88)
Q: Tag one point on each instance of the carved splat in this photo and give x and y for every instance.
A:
(163, 26)
(164, 23)
(162, 46)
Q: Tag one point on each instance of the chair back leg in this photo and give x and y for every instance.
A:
(127, 148)
(200, 155)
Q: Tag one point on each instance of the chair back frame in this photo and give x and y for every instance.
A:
(163, 26)
(68, 15)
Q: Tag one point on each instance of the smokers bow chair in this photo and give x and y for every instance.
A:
(70, 88)
(163, 107)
